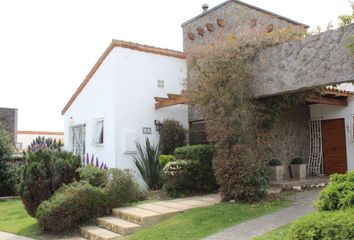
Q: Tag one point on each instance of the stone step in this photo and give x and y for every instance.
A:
(274, 190)
(158, 208)
(194, 203)
(117, 225)
(97, 233)
(139, 215)
(178, 206)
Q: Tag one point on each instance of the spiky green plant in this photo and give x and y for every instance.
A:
(147, 162)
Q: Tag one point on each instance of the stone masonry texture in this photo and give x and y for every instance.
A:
(239, 20)
(318, 60)
(8, 120)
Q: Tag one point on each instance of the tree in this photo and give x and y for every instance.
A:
(6, 151)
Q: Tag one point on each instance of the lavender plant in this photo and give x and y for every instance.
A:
(91, 161)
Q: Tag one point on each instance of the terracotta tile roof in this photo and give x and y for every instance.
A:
(334, 90)
(122, 44)
(247, 5)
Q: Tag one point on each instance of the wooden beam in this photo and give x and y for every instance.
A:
(171, 102)
(173, 96)
(160, 99)
(328, 101)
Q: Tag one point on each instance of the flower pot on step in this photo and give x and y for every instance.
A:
(277, 173)
(298, 170)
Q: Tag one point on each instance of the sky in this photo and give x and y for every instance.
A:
(47, 47)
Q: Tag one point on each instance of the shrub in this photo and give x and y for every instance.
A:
(201, 152)
(196, 171)
(240, 175)
(298, 161)
(172, 135)
(274, 162)
(339, 194)
(14, 169)
(71, 206)
(93, 175)
(44, 172)
(121, 188)
(148, 164)
(164, 159)
(337, 225)
(181, 177)
(6, 150)
(42, 142)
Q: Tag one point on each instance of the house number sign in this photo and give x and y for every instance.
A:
(146, 130)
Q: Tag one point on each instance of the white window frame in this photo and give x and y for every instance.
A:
(97, 131)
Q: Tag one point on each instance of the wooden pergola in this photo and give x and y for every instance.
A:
(329, 96)
(171, 100)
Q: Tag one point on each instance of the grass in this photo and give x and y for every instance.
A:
(14, 219)
(202, 222)
(277, 234)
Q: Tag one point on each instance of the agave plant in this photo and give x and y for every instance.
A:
(147, 162)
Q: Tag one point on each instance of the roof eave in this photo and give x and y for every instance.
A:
(247, 5)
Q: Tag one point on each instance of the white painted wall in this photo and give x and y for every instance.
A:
(122, 92)
(325, 112)
(96, 100)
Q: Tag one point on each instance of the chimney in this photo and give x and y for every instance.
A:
(205, 7)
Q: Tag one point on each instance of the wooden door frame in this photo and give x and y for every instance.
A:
(345, 141)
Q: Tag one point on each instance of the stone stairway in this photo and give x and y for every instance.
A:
(127, 220)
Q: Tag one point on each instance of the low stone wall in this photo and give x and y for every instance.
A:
(318, 60)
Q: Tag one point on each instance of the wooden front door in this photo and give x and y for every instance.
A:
(334, 146)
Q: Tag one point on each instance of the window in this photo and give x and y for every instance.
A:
(78, 139)
(98, 132)
(160, 83)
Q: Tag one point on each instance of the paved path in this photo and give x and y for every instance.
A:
(257, 227)
(8, 236)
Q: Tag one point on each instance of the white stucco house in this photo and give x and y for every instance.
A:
(114, 106)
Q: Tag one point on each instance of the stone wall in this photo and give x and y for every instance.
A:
(233, 18)
(318, 60)
(291, 136)
(8, 119)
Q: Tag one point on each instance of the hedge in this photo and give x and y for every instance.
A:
(325, 225)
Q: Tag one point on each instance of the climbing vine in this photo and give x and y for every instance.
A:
(219, 86)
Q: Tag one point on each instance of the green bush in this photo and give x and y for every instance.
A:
(14, 169)
(298, 161)
(121, 188)
(201, 152)
(180, 177)
(240, 174)
(93, 175)
(172, 135)
(164, 159)
(44, 172)
(196, 171)
(274, 162)
(6, 150)
(338, 225)
(339, 194)
(71, 206)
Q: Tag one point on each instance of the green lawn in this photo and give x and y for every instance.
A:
(14, 219)
(202, 222)
(276, 234)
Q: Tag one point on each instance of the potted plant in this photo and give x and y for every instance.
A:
(298, 168)
(277, 170)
